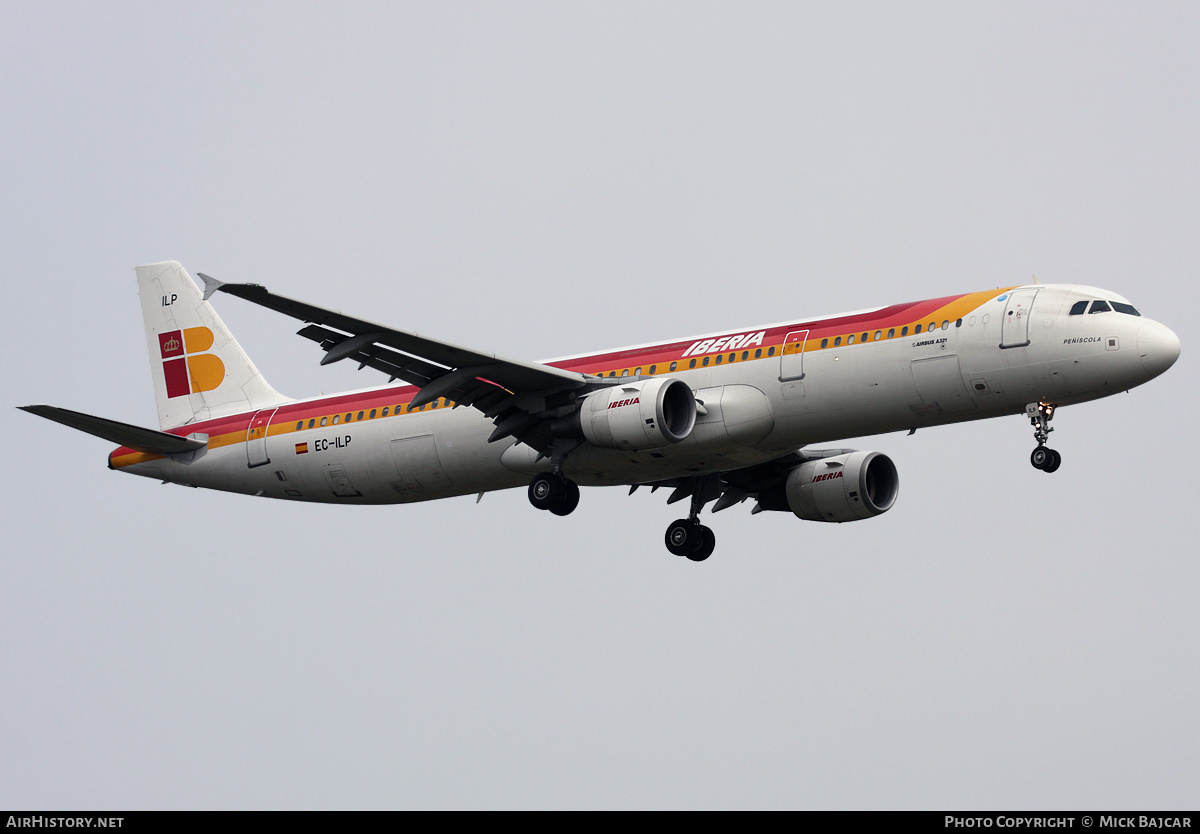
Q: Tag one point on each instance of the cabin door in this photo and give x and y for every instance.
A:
(791, 360)
(1014, 332)
(256, 438)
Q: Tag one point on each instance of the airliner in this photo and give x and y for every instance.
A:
(719, 418)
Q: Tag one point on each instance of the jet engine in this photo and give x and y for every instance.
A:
(640, 415)
(846, 487)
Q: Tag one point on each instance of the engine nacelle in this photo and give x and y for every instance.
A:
(640, 415)
(846, 487)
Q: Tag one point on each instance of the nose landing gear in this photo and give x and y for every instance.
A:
(1043, 458)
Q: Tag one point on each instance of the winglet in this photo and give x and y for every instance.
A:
(211, 285)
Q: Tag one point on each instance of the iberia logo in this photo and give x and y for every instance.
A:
(187, 369)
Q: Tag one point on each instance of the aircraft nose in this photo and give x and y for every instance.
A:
(1157, 346)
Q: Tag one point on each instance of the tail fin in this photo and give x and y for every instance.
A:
(199, 369)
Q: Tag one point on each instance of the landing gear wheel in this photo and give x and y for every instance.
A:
(546, 491)
(554, 493)
(1045, 459)
(684, 537)
(1054, 462)
(708, 543)
(570, 499)
(691, 539)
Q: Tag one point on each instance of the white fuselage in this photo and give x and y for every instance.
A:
(977, 356)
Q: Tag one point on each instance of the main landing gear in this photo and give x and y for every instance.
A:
(685, 537)
(688, 537)
(555, 493)
(1043, 458)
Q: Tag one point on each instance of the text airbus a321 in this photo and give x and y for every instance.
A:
(716, 418)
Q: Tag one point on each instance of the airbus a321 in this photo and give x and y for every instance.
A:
(721, 418)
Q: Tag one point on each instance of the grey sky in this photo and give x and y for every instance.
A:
(549, 179)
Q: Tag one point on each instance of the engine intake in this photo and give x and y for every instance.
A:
(846, 487)
(640, 415)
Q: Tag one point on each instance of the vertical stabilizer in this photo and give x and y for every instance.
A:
(199, 369)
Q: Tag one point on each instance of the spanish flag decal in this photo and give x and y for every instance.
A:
(302, 448)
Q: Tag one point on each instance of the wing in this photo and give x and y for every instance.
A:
(520, 397)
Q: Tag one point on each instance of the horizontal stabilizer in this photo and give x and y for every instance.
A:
(135, 437)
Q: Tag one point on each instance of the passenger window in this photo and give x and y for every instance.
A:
(932, 326)
(638, 372)
(653, 368)
(433, 404)
(360, 416)
(878, 335)
(384, 412)
(1100, 307)
(371, 416)
(732, 357)
(348, 418)
(705, 362)
(692, 364)
(300, 425)
(916, 329)
(850, 339)
(1078, 307)
(324, 420)
(311, 423)
(771, 352)
(945, 325)
(719, 358)
(891, 333)
(824, 343)
(758, 353)
(336, 418)
(674, 365)
(745, 355)
(837, 342)
(864, 336)
(958, 323)
(904, 330)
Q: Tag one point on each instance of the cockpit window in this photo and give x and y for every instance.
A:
(1078, 308)
(1100, 307)
(1127, 309)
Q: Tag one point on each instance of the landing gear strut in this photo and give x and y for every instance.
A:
(555, 493)
(1043, 458)
(688, 537)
